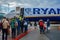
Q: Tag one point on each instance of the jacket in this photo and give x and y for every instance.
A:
(41, 23)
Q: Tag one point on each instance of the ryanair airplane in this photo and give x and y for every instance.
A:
(35, 14)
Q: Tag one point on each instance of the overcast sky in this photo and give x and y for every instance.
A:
(29, 3)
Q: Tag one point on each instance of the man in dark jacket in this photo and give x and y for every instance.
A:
(18, 28)
(22, 26)
(48, 24)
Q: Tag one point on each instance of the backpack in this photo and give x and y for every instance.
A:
(5, 24)
(25, 23)
(41, 23)
(16, 24)
(12, 24)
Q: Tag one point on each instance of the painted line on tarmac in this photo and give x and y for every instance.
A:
(22, 35)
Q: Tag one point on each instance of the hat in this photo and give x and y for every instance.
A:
(41, 20)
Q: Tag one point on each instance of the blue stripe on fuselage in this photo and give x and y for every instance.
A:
(51, 18)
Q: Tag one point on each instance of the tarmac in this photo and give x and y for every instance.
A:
(34, 34)
(54, 34)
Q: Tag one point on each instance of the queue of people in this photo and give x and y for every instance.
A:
(17, 27)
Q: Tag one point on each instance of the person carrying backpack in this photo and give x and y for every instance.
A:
(41, 26)
(25, 25)
(18, 26)
(13, 27)
(5, 25)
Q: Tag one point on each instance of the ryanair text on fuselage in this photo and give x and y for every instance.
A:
(42, 10)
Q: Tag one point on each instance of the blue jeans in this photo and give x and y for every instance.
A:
(18, 30)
